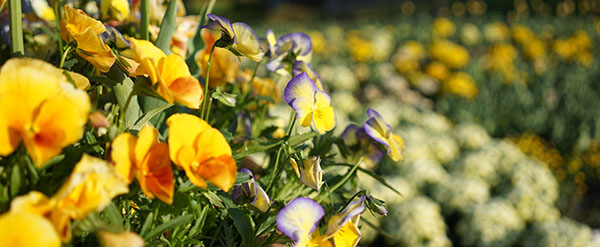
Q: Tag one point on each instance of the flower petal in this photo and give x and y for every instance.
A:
(156, 175)
(223, 24)
(247, 42)
(183, 130)
(299, 218)
(27, 229)
(123, 154)
(219, 171)
(350, 214)
(299, 86)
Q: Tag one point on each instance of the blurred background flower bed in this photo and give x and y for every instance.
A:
(497, 103)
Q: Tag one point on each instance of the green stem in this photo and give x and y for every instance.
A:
(339, 184)
(145, 19)
(277, 169)
(205, 101)
(64, 57)
(254, 73)
(16, 30)
(58, 14)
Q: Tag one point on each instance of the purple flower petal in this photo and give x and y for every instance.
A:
(299, 218)
(299, 86)
(350, 213)
(221, 23)
(301, 42)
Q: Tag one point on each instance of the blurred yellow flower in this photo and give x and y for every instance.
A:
(437, 70)
(148, 160)
(201, 151)
(224, 65)
(118, 9)
(41, 9)
(23, 229)
(522, 34)
(85, 30)
(408, 57)
(175, 82)
(360, 49)
(461, 84)
(451, 54)
(442, 28)
(470, 34)
(264, 87)
(534, 49)
(318, 41)
(91, 186)
(496, 32)
(39, 107)
(575, 48)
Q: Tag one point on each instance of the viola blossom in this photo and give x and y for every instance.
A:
(310, 174)
(252, 189)
(85, 30)
(42, 10)
(350, 215)
(117, 9)
(223, 66)
(381, 132)
(288, 49)
(146, 159)
(39, 108)
(201, 151)
(299, 219)
(356, 138)
(238, 37)
(171, 73)
(312, 105)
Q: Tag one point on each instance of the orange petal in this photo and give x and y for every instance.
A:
(219, 171)
(187, 90)
(124, 156)
(211, 143)
(183, 130)
(156, 175)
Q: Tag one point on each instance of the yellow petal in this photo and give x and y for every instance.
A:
(347, 236)
(147, 137)
(145, 49)
(26, 229)
(247, 43)
(91, 186)
(211, 143)
(324, 119)
(34, 202)
(183, 130)
(187, 91)
(75, 21)
(60, 122)
(81, 81)
(156, 175)
(219, 171)
(123, 155)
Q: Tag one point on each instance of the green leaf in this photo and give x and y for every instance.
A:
(147, 224)
(113, 215)
(199, 224)
(184, 219)
(167, 28)
(373, 175)
(223, 97)
(243, 225)
(122, 92)
(149, 115)
(15, 180)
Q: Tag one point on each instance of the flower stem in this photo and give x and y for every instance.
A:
(64, 57)
(205, 100)
(339, 184)
(145, 19)
(277, 169)
(16, 30)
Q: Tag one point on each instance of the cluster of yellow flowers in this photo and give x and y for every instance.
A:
(575, 48)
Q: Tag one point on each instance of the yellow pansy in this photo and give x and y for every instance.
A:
(461, 84)
(91, 187)
(148, 160)
(175, 82)
(78, 26)
(118, 9)
(23, 229)
(201, 151)
(312, 105)
(40, 108)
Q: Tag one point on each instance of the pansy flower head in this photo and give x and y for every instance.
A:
(252, 189)
(27, 229)
(117, 9)
(312, 105)
(39, 108)
(85, 30)
(238, 37)
(301, 66)
(299, 219)
(201, 151)
(148, 160)
(310, 173)
(381, 132)
(289, 49)
(171, 73)
(350, 214)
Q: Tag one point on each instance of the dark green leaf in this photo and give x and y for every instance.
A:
(184, 219)
(147, 224)
(243, 225)
(149, 115)
(167, 28)
(113, 215)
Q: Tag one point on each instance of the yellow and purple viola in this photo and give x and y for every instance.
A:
(299, 220)
(238, 37)
(312, 105)
(252, 190)
(287, 50)
(381, 132)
